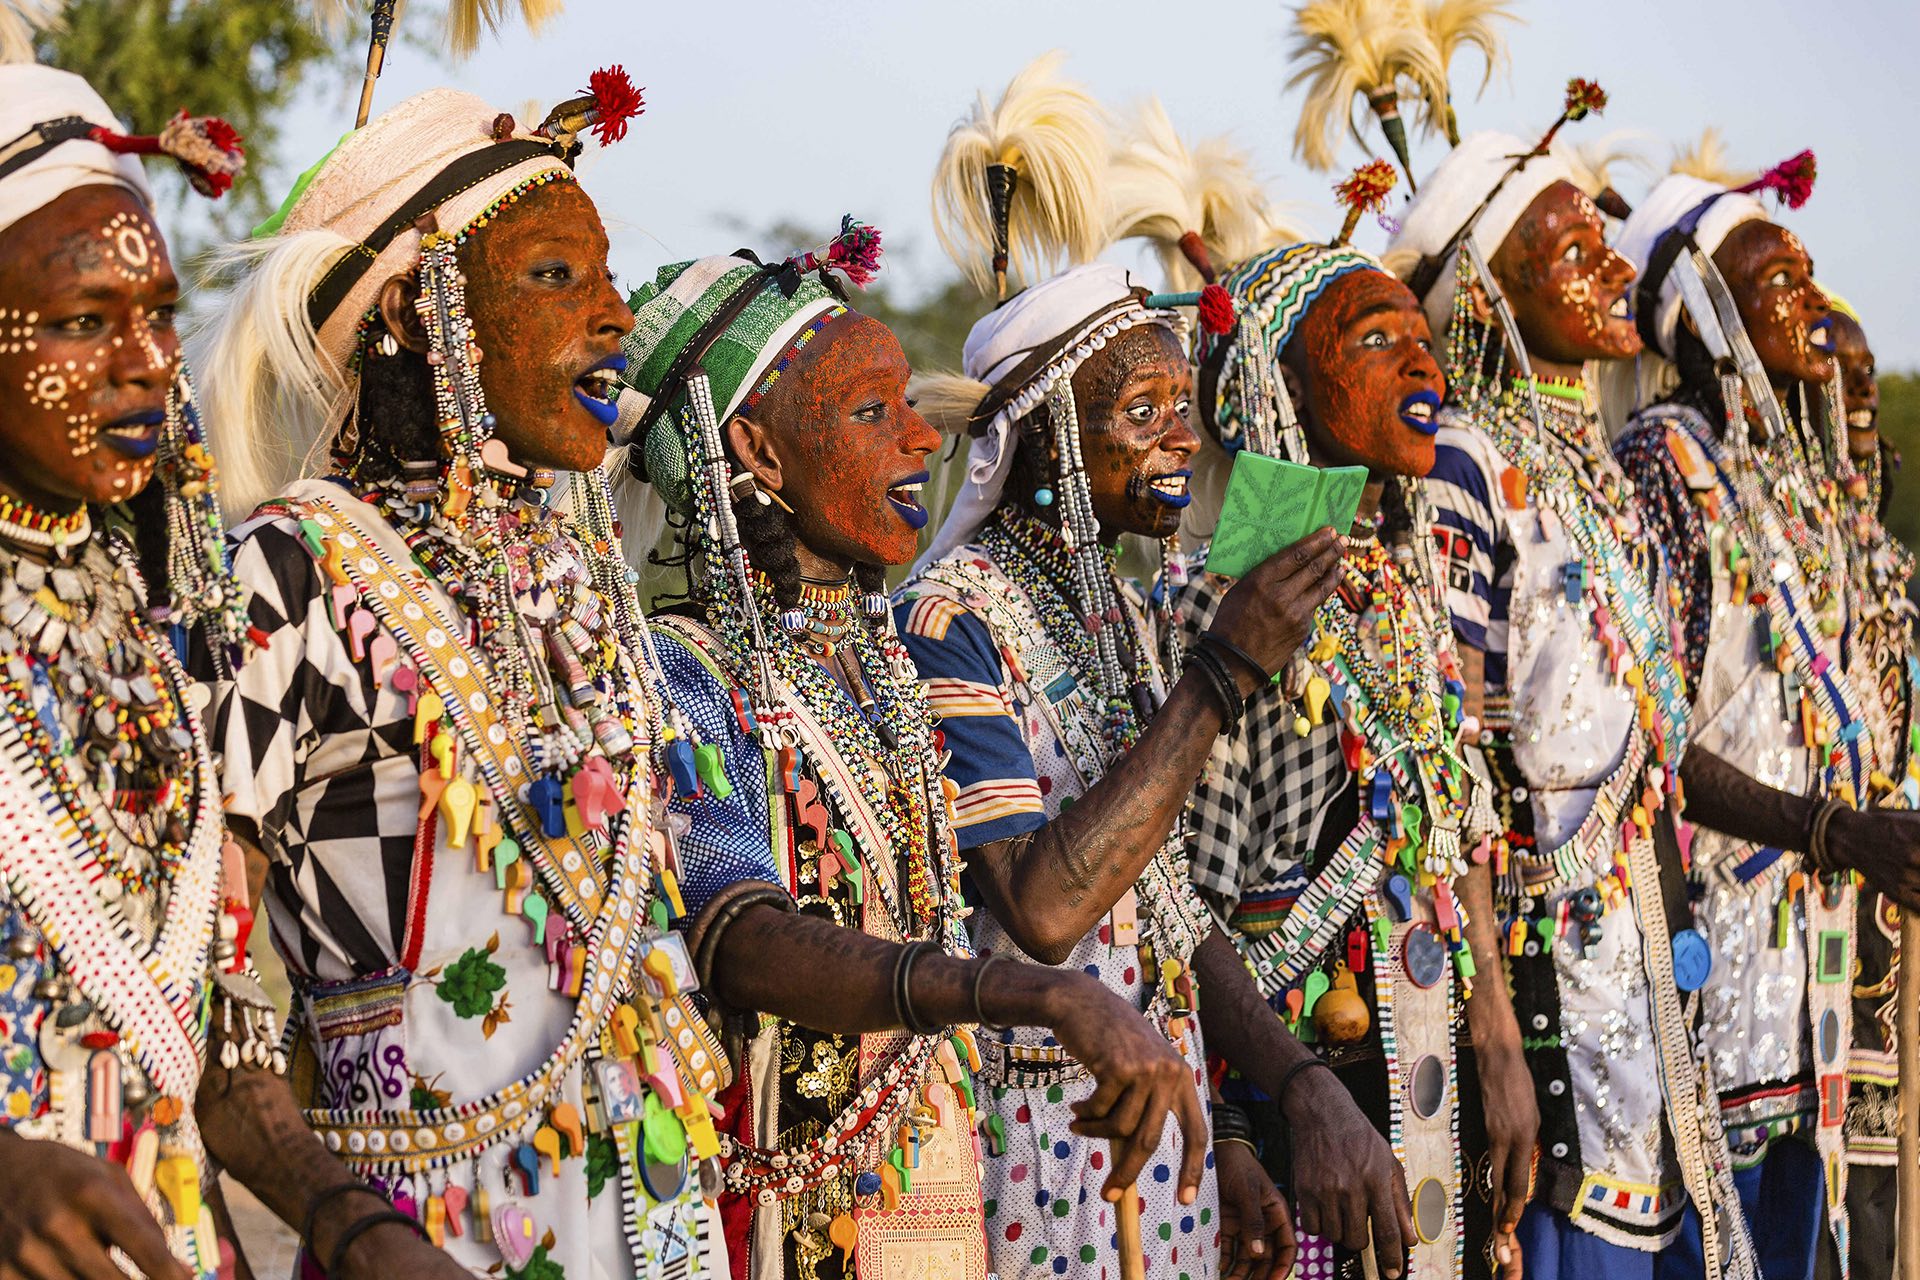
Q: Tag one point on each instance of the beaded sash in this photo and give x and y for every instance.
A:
(152, 994)
(565, 864)
(396, 1141)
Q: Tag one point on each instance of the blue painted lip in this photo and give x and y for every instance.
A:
(911, 511)
(1175, 500)
(136, 447)
(606, 411)
(616, 362)
(1429, 425)
(1820, 335)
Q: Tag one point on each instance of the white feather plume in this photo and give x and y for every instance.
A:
(21, 21)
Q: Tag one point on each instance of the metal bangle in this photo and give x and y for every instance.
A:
(980, 977)
(903, 1009)
(1232, 705)
(1817, 835)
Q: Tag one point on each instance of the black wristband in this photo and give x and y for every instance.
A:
(903, 1009)
(1231, 1124)
(1213, 637)
(980, 976)
(1225, 688)
(1286, 1080)
(321, 1199)
(359, 1228)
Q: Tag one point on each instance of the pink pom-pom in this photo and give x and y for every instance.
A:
(1791, 180)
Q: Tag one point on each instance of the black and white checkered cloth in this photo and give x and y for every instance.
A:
(1259, 805)
(323, 761)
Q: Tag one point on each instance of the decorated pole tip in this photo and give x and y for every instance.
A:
(1584, 97)
(608, 103)
(854, 253)
(1214, 303)
(206, 148)
(1791, 181)
(1364, 191)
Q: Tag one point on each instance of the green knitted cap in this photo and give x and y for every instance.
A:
(673, 310)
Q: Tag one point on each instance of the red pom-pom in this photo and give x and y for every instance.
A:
(1584, 96)
(1216, 309)
(1791, 180)
(1366, 188)
(615, 101)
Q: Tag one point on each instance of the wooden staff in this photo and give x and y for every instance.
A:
(1907, 1032)
(1133, 1263)
(376, 56)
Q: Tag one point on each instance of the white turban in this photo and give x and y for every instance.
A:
(1666, 207)
(1453, 191)
(1020, 350)
(32, 95)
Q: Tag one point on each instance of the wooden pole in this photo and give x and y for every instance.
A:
(382, 31)
(1907, 1032)
(1133, 1264)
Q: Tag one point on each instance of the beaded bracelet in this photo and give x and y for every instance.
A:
(903, 1010)
(364, 1225)
(1232, 705)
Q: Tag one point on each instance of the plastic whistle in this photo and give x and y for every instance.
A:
(506, 852)
(436, 1221)
(360, 625)
(535, 910)
(517, 883)
(546, 1142)
(454, 1199)
(177, 1179)
(458, 801)
(381, 655)
(426, 714)
(565, 1119)
(526, 1162)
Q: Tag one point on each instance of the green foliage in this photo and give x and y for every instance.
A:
(242, 60)
(1900, 425)
(469, 983)
(539, 1267)
(603, 1163)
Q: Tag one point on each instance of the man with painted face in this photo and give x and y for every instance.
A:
(136, 1045)
(817, 861)
(1567, 662)
(1074, 742)
(452, 747)
(1359, 760)
(1792, 735)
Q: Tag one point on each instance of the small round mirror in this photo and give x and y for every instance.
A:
(1829, 1036)
(1427, 1087)
(1429, 1210)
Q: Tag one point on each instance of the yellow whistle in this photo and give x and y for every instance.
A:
(441, 749)
(547, 1143)
(484, 841)
(565, 1119)
(700, 1134)
(178, 1180)
(626, 1036)
(1318, 691)
(516, 886)
(457, 804)
(436, 1221)
(427, 714)
(659, 966)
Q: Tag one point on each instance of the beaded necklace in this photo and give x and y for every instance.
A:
(28, 526)
(86, 687)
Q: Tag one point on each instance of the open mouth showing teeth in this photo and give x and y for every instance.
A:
(1421, 411)
(1820, 336)
(1620, 310)
(1173, 489)
(598, 389)
(135, 436)
(905, 498)
(1860, 419)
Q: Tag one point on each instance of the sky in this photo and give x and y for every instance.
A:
(760, 112)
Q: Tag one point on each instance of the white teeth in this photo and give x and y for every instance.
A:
(1619, 308)
(602, 384)
(911, 488)
(1171, 484)
(1860, 419)
(1419, 409)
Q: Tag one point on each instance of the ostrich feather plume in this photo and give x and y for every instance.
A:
(1057, 138)
(1347, 48)
(1159, 189)
(20, 21)
(1452, 25)
(1706, 159)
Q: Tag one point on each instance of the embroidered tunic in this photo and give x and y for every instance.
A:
(988, 628)
(1775, 1014)
(1594, 993)
(104, 985)
(431, 1002)
(796, 1086)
